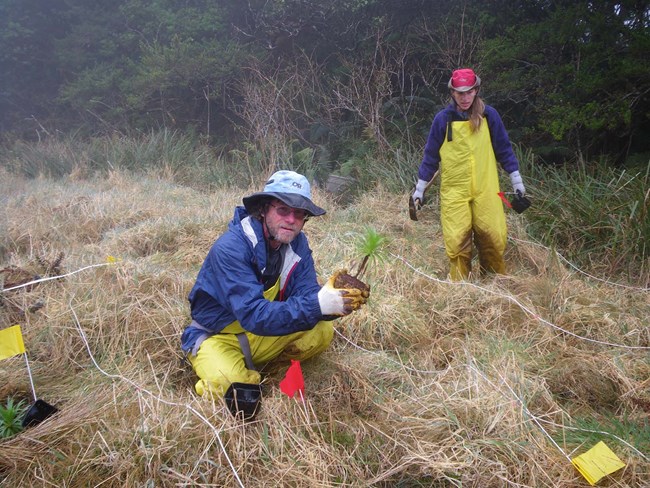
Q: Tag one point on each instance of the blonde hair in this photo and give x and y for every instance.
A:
(475, 112)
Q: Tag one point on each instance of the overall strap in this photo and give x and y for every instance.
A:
(246, 349)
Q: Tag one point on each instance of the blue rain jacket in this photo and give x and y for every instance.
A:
(228, 287)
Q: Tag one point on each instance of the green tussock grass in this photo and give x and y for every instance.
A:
(595, 213)
(11, 415)
(431, 383)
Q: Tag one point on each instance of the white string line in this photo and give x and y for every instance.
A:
(156, 397)
(509, 297)
(519, 304)
(537, 419)
(40, 280)
(523, 405)
(612, 283)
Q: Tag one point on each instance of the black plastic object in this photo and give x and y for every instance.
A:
(519, 203)
(243, 399)
(39, 411)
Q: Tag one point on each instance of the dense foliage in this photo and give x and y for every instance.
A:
(570, 77)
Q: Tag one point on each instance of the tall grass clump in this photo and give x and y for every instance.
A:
(50, 158)
(173, 150)
(175, 155)
(596, 214)
(255, 166)
(395, 170)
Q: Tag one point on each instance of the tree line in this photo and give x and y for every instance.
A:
(571, 78)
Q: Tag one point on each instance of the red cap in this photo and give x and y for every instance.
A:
(463, 80)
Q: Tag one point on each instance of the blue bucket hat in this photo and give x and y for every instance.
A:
(291, 188)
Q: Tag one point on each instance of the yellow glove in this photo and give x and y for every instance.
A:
(354, 302)
(354, 291)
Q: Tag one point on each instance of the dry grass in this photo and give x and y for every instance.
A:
(420, 388)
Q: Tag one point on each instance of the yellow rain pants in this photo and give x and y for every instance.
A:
(470, 206)
(220, 360)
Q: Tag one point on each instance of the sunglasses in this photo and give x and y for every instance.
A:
(284, 211)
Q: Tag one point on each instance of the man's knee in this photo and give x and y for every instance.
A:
(218, 363)
(312, 342)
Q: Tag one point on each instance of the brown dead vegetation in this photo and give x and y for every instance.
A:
(431, 383)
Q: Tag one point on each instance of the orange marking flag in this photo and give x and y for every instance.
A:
(597, 462)
(11, 342)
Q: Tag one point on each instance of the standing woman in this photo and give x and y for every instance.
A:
(466, 140)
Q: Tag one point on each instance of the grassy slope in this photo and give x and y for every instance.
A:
(418, 389)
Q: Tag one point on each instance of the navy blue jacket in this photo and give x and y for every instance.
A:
(228, 287)
(500, 141)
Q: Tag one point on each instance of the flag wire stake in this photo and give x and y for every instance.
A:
(304, 404)
(29, 372)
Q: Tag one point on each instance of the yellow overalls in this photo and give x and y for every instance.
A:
(220, 360)
(470, 207)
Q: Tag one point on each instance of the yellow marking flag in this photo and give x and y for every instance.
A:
(11, 342)
(597, 462)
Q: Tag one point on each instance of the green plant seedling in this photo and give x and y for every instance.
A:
(10, 418)
(372, 247)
